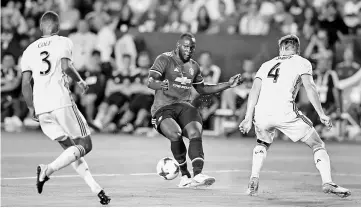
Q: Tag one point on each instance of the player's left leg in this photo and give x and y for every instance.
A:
(300, 128)
(322, 161)
(191, 123)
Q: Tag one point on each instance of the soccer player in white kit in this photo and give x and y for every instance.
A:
(48, 61)
(272, 101)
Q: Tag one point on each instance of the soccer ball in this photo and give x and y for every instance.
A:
(168, 168)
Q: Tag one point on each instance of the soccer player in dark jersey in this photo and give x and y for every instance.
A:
(172, 76)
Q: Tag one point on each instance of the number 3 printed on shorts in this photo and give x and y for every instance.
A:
(274, 72)
(46, 61)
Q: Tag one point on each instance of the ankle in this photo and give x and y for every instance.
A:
(49, 170)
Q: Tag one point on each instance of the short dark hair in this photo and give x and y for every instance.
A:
(187, 35)
(50, 16)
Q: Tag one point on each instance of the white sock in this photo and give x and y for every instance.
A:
(69, 156)
(322, 161)
(259, 155)
(81, 167)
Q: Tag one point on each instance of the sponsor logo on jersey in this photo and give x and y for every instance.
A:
(183, 80)
(183, 83)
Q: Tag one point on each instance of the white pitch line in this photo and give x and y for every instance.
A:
(215, 171)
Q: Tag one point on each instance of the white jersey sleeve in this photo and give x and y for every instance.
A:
(24, 63)
(67, 50)
(305, 67)
(261, 73)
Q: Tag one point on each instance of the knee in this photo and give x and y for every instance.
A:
(318, 146)
(175, 136)
(87, 144)
(264, 144)
(194, 134)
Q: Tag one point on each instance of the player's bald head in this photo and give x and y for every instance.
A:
(49, 23)
(187, 37)
(289, 43)
(186, 46)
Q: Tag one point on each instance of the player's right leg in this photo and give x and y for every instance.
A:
(165, 124)
(265, 137)
(82, 168)
(53, 130)
(69, 121)
(322, 161)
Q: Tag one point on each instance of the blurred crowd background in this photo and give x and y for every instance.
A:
(116, 41)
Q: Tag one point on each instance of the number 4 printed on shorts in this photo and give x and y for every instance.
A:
(274, 72)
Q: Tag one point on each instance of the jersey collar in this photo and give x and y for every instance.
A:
(46, 36)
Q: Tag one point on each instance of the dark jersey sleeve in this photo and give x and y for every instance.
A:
(160, 64)
(198, 79)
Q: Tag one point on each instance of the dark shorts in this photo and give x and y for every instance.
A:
(117, 98)
(182, 113)
(141, 101)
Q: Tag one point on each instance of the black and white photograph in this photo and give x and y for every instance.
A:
(180, 103)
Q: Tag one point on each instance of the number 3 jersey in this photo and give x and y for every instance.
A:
(281, 80)
(51, 85)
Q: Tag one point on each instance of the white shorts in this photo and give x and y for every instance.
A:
(295, 125)
(62, 122)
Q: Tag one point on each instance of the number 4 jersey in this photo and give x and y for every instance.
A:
(51, 86)
(281, 80)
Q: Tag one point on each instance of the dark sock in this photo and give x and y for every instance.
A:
(195, 152)
(179, 151)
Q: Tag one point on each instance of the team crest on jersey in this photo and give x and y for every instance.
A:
(191, 71)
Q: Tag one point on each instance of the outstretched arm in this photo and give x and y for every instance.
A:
(253, 98)
(205, 89)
